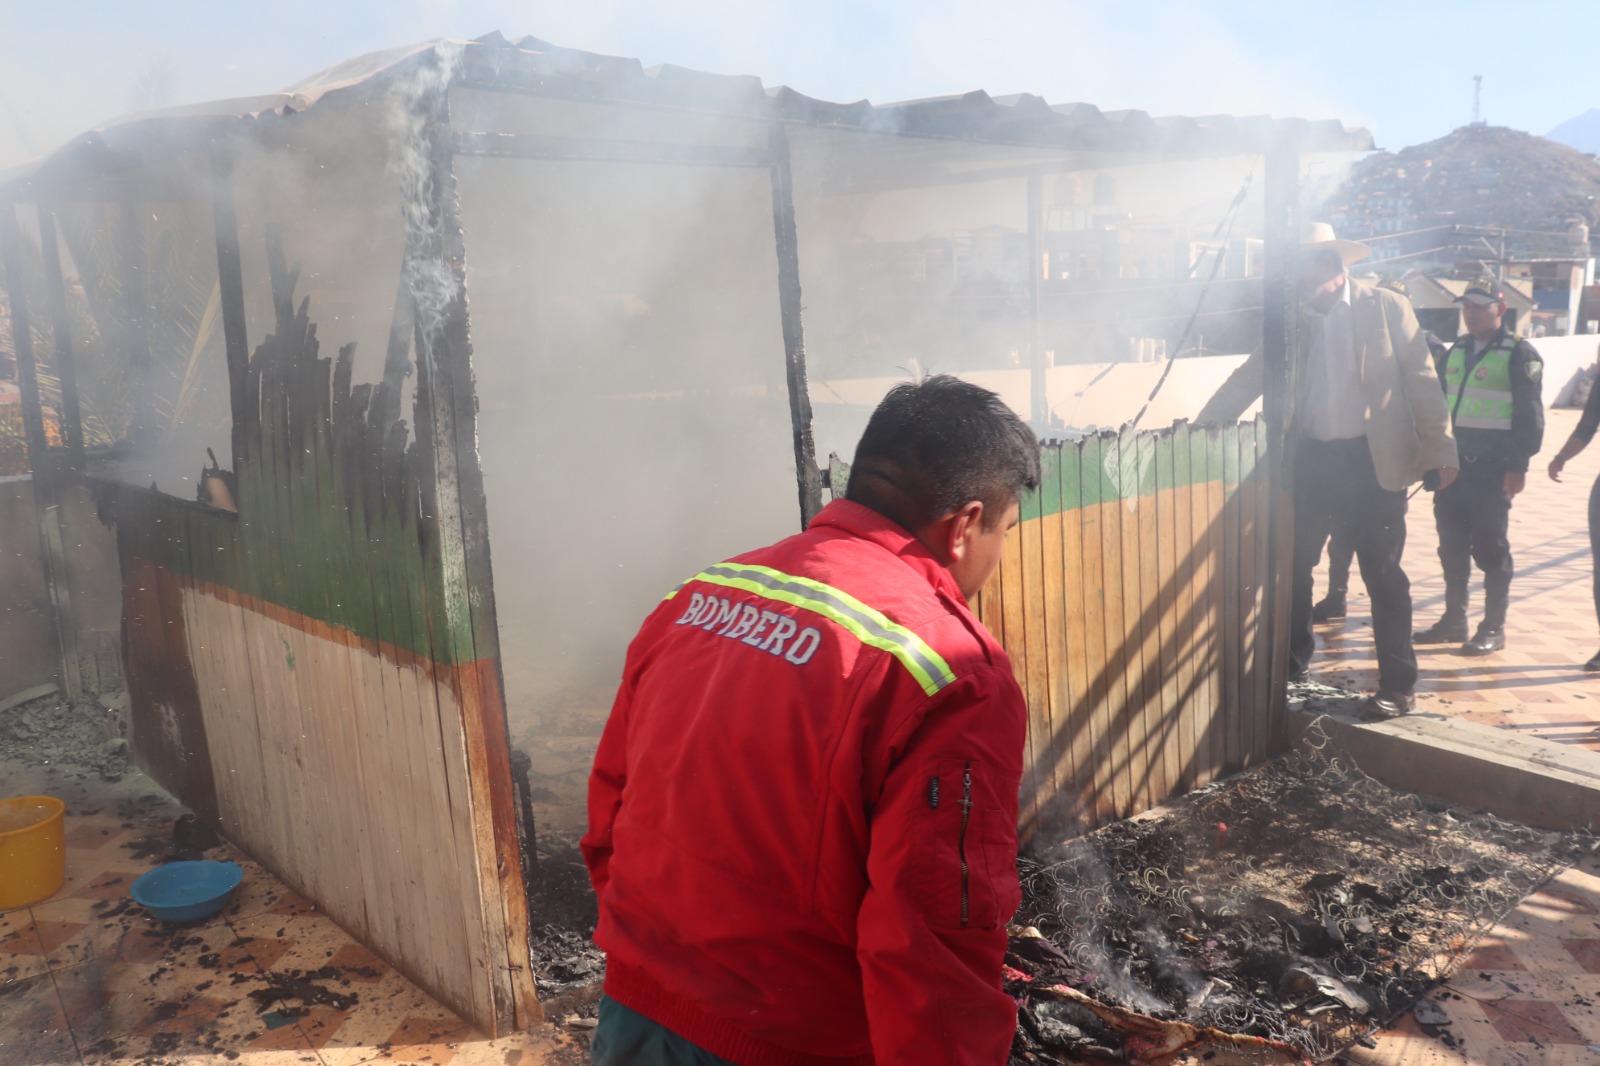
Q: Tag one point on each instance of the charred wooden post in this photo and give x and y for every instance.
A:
(397, 358)
(230, 285)
(61, 327)
(794, 341)
(45, 501)
(22, 340)
(136, 309)
(456, 512)
(1280, 339)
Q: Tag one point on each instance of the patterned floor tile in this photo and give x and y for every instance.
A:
(1531, 1021)
(262, 893)
(21, 954)
(33, 1025)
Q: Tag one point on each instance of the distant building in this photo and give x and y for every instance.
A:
(1434, 300)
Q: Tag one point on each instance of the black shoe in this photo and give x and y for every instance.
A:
(1593, 665)
(1331, 608)
(1485, 641)
(1301, 674)
(1444, 631)
(1387, 704)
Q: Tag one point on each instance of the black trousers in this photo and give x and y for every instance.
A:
(1341, 553)
(1472, 517)
(1336, 493)
(1594, 542)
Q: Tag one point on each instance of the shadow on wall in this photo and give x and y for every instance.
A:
(1132, 602)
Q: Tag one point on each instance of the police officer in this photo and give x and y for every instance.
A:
(1491, 381)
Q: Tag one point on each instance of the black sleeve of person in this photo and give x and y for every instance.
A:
(1589, 421)
(1527, 405)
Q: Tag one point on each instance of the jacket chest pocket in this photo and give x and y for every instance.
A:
(966, 853)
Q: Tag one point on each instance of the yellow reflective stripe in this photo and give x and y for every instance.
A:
(865, 623)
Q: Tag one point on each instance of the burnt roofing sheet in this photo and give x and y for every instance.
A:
(536, 67)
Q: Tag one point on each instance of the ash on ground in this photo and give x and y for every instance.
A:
(1301, 905)
(78, 740)
(568, 969)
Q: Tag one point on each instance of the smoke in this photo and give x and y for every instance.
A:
(416, 120)
(154, 84)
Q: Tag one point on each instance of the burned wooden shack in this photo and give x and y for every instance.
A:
(312, 356)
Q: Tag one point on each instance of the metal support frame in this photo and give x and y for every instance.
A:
(595, 150)
(807, 475)
(1280, 340)
(22, 340)
(46, 504)
(1038, 384)
(61, 330)
(136, 306)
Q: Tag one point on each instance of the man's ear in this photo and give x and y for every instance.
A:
(962, 523)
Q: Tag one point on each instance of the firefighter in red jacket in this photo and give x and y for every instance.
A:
(802, 814)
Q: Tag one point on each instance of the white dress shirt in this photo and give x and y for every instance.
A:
(1336, 408)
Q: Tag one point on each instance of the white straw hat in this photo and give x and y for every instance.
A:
(1318, 236)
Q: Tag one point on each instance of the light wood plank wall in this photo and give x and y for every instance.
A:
(1131, 600)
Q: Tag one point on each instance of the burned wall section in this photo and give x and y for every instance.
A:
(634, 422)
(302, 667)
(27, 626)
(144, 314)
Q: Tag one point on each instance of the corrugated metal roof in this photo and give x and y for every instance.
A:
(533, 66)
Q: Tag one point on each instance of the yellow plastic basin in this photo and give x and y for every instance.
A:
(33, 850)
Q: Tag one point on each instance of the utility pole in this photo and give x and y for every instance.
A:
(1477, 92)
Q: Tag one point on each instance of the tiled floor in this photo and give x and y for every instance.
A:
(88, 978)
(1535, 686)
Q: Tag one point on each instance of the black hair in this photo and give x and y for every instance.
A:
(934, 445)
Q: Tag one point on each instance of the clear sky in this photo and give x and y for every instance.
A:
(1402, 70)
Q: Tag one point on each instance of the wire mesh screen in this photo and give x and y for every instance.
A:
(1294, 908)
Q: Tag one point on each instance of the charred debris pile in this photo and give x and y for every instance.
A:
(1277, 916)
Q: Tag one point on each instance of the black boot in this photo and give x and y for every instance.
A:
(1451, 628)
(1331, 608)
(1491, 634)
(1487, 639)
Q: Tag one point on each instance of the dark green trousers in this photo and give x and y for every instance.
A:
(627, 1038)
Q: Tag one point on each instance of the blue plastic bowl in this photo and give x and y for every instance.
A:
(187, 891)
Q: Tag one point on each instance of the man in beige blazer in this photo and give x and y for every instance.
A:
(1367, 422)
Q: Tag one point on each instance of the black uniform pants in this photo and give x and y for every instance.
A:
(1472, 516)
(1594, 542)
(1336, 493)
